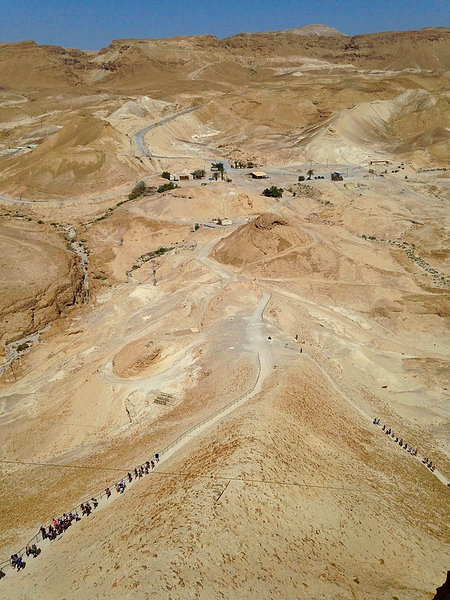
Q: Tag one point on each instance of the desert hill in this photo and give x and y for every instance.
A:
(273, 96)
(40, 279)
(423, 49)
(279, 483)
(301, 456)
(27, 65)
(141, 108)
(85, 155)
(265, 237)
(317, 30)
(355, 133)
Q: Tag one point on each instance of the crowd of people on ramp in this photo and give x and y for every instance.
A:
(58, 526)
(399, 440)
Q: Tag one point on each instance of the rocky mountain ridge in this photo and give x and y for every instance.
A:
(27, 65)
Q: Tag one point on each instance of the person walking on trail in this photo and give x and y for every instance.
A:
(20, 564)
(44, 533)
(107, 492)
(17, 562)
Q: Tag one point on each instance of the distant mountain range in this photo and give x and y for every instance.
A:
(144, 65)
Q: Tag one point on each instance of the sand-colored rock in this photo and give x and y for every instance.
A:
(40, 279)
(265, 237)
(85, 155)
(137, 359)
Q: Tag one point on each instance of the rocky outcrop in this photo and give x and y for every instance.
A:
(41, 280)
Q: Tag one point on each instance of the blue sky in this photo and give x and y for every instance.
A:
(93, 24)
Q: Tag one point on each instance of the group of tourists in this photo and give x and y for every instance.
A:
(58, 526)
(33, 550)
(429, 464)
(17, 562)
(413, 451)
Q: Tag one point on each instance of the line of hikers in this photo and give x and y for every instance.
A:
(402, 444)
(58, 526)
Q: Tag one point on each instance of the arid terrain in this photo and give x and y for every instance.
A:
(249, 340)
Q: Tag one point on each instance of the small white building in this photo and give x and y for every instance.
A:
(184, 176)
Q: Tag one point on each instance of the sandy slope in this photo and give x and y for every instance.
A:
(315, 504)
(374, 342)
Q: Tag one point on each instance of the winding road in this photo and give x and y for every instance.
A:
(138, 137)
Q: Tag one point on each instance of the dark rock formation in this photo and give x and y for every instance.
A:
(443, 592)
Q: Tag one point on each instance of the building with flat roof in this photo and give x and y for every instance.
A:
(380, 161)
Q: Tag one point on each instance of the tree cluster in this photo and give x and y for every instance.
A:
(218, 167)
(166, 187)
(273, 192)
(139, 189)
(243, 164)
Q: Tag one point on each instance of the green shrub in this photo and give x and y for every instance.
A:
(301, 178)
(273, 192)
(138, 190)
(165, 175)
(166, 186)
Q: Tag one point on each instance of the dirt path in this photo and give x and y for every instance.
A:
(255, 333)
(198, 71)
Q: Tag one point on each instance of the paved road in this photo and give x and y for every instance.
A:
(138, 137)
(198, 71)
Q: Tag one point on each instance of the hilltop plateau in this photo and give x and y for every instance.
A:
(278, 279)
